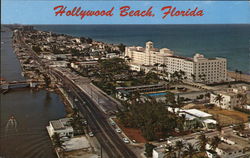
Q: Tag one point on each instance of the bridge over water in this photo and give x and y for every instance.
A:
(5, 85)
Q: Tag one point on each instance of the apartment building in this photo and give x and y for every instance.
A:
(197, 69)
(230, 98)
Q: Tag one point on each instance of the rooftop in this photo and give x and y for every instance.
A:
(197, 113)
(57, 124)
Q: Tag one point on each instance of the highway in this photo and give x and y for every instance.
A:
(107, 137)
(97, 120)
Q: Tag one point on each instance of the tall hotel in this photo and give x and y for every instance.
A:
(197, 69)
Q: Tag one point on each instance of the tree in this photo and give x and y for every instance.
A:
(189, 150)
(121, 47)
(169, 153)
(56, 140)
(89, 40)
(219, 127)
(179, 146)
(218, 99)
(240, 127)
(194, 77)
(149, 149)
(215, 142)
(202, 142)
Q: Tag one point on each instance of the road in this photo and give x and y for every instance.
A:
(97, 120)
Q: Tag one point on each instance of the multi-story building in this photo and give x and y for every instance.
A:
(197, 69)
(230, 98)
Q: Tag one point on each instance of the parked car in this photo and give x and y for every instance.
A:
(126, 140)
(118, 130)
(112, 123)
(91, 134)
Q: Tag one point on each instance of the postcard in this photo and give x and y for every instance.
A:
(125, 79)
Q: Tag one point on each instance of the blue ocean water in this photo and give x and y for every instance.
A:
(229, 41)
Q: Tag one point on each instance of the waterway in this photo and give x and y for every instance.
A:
(26, 136)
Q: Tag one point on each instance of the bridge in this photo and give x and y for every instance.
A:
(5, 85)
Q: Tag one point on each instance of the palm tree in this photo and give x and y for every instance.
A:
(207, 95)
(202, 142)
(193, 76)
(215, 142)
(190, 150)
(179, 146)
(57, 140)
(218, 99)
(236, 73)
(219, 127)
(169, 153)
(241, 127)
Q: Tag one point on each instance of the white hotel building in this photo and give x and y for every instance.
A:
(198, 68)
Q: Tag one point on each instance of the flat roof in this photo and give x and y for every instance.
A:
(187, 116)
(57, 125)
(197, 113)
(207, 121)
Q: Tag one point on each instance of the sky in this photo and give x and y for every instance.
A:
(42, 12)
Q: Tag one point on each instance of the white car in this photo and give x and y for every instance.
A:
(126, 140)
(91, 134)
(112, 123)
(118, 130)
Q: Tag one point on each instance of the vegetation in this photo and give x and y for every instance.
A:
(218, 98)
(57, 141)
(36, 49)
(242, 110)
(116, 69)
(77, 123)
(202, 141)
(150, 116)
(170, 152)
(149, 149)
(190, 150)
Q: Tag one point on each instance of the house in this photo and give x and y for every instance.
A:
(195, 117)
(61, 127)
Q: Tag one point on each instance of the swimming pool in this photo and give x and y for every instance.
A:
(156, 94)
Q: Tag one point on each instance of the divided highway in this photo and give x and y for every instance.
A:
(98, 122)
(107, 137)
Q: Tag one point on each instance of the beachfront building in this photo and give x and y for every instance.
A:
(61, 127)
(197, 69)
(230, 98)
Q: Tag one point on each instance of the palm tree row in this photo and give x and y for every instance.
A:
(180, 150)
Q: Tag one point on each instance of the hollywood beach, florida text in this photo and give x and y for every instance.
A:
(127, 11)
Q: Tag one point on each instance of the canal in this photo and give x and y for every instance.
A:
(25, 136)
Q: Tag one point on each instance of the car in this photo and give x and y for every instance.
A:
(118, 130)
(91, 134)
(125, 140)
(112, 123)
(134, 141)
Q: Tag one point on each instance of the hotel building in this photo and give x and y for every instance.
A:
(197, 69)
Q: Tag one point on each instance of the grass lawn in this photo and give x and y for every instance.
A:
(227, 117)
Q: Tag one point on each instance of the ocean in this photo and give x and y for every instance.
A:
(229, 41)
